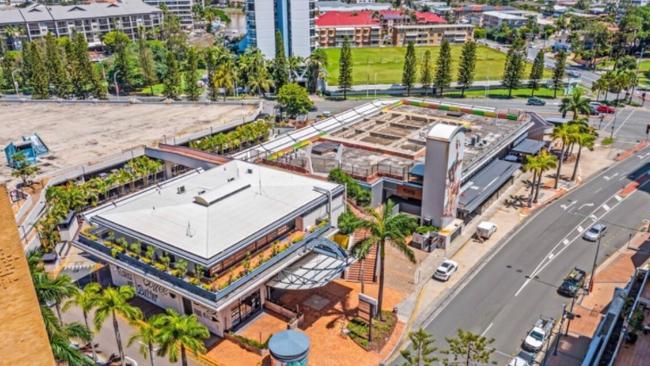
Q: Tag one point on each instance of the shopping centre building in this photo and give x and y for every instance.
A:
(220, 242)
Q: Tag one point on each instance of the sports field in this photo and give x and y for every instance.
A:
(384, 65)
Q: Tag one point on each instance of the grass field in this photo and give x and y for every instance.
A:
(384, 65)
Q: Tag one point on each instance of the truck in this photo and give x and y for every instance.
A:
(537, 336)
(572, 283)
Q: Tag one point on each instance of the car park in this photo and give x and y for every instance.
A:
(572, 283)
(535, 101)
(595, 232)
(445, 270)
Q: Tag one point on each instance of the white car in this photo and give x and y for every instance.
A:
(445, 270)
(523, 359)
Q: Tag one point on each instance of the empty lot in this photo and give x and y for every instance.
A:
(83, 133)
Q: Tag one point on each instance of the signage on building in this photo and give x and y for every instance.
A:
(367, 308)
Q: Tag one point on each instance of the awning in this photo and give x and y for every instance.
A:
(528, 147)
(485, 183)
(417, 170)
(325, 262)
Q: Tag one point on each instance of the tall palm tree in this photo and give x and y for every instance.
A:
(54, 290)
(316, 66)
(113, 301)
(147, 336)
(386, 226)
(599, 86)
(294, 63)
(583, 139)
(576, 103)
(532, 165)
(179, 332)
(225, 77)
(564, 134)
(545, 161)
(86, 300)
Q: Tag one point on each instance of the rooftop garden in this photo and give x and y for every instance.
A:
(194, 274)
(242, 136)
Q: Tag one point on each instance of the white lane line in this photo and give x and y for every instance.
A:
(580, 229)
(487, 329)
(618, 198)
(547, 260)
(605, 207)
(622, 123)
(565, 241)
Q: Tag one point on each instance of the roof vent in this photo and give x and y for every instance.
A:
(249, 171)
(180, 190)
(219, 194)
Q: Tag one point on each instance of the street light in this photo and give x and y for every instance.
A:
(593, 267)
(559, 332)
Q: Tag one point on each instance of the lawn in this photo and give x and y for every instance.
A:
(384, 65)
(501, 93)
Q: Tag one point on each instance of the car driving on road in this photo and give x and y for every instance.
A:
(445, 270)
(572, 283)
(595, 232)
(535, 101)
(601, 108)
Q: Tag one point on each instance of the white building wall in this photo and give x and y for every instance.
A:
(265, 27)
(300, 28)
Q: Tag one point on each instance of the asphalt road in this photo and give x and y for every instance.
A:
(505, 297)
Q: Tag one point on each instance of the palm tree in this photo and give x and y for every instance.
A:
(293, 64)
(583, 139)
(387, 226)
(576, 104)
(532, 165)
(179, 332)
(147, 335)
(225, 77)
(599, 86)
(545, 161)
(316, 66)
(114, 301)
(563, 133)
(86, 300)
(54, 290)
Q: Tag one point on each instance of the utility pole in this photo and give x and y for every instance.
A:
(117, 87)
(559, 332)
(593, 267)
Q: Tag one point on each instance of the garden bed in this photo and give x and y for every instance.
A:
(381, 331)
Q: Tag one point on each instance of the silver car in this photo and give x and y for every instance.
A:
(595, 232)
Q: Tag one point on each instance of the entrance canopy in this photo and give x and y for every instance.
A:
(325, 262)
(528, 147)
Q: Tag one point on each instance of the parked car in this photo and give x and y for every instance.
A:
(537, 336)
(535, 101)
(572, 283)
(445, 270)
(573, 74)
(605, 109)
(595, 232)
(523, 358)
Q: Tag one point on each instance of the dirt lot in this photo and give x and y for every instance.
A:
(82, 133)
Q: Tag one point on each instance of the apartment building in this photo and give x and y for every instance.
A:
(294, 19)
(387, 27)
(93, 20)
(180, 8)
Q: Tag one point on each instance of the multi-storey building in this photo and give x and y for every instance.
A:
(93, 20)
(220, 243)
(387, 27)
(180, 8)
(294, 19)
(511, 18)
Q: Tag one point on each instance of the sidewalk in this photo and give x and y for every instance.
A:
(614, 272)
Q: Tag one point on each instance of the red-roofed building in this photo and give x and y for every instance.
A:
(396, 27)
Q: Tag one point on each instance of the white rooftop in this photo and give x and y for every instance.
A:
(207, 212)
(443, 131)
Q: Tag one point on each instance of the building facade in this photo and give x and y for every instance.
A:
(294, 19)
(388, 27)
(93, 20)
(220, 243)
(511, 18)
(180, 8)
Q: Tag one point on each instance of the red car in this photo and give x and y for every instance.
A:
(605, 109)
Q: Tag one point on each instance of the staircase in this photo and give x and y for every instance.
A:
(369, 263)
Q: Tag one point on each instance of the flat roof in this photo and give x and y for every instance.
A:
(485, 183)
(207, 212)
(528, 146)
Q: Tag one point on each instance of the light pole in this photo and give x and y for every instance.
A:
(593, 267)
(570, 314)
(13, 78)
(611, 135)
(559, 332)
(117, 87)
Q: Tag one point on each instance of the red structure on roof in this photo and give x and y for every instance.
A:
(337, 18)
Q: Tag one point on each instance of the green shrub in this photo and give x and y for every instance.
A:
(607, 141)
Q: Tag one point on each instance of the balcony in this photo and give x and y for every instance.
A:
(212, 289)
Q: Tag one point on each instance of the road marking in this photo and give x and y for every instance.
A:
(487, 329)
(622, 123)
(580, 229)
(621, 178)
(547, 260)
(605, 207)
(618, 198)
(565, 207)
(590, 204)
(610, 177)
